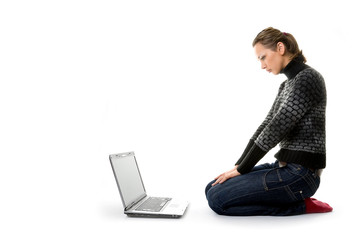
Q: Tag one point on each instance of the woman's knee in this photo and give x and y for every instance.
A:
(212, 196)
(208, 187)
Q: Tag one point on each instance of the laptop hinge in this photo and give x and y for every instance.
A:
(135, 202)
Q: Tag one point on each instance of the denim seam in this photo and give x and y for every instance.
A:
(265, 175)
(290, 193)
(279, 176)
(291, 172)
(245, 195)
(267, 189)
(288, 189)
(280, 179)
(311, 183)
(225, 205)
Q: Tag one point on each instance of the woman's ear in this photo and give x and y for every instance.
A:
(281, 48)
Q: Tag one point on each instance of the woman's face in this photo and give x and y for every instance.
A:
(272, 61)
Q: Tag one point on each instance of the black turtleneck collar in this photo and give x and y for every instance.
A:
(294, 67)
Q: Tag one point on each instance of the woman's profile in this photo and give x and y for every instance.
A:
(296, 121)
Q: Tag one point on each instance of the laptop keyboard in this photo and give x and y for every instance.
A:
(153, 204)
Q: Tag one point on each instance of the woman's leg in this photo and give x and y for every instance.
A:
(267, 190)
(256, 168)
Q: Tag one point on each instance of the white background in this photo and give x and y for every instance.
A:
(178, 83)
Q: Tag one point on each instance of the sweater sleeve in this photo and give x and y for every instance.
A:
(246, 151)
(250, 157)
(252, 153)
(270, 114)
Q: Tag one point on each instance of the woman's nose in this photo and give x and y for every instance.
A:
(263, 65)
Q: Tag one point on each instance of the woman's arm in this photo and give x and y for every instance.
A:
(258, 131)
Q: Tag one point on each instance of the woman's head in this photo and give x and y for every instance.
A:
(275, 49)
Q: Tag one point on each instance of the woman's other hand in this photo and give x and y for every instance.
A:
(226, 175)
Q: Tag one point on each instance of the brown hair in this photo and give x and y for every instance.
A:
(269, 37)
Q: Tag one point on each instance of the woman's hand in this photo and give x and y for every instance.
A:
(226, 175)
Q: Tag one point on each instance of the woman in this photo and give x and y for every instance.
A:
(296, 121)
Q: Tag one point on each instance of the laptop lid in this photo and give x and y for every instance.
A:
(128, 178)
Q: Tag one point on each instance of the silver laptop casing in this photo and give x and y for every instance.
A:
(173, 209)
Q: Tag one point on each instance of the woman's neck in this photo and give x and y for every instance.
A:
(293, 68)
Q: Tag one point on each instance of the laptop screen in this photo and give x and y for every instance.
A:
(128, 177)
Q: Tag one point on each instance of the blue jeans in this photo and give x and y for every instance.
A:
(267, 190)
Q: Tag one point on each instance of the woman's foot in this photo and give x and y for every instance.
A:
(315, 206)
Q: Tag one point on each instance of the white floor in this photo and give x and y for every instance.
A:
(178, 83)
(83, 202)
(200, 221)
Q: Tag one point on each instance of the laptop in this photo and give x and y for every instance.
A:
(132, 191)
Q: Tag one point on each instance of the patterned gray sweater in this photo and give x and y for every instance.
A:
(296, 121)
